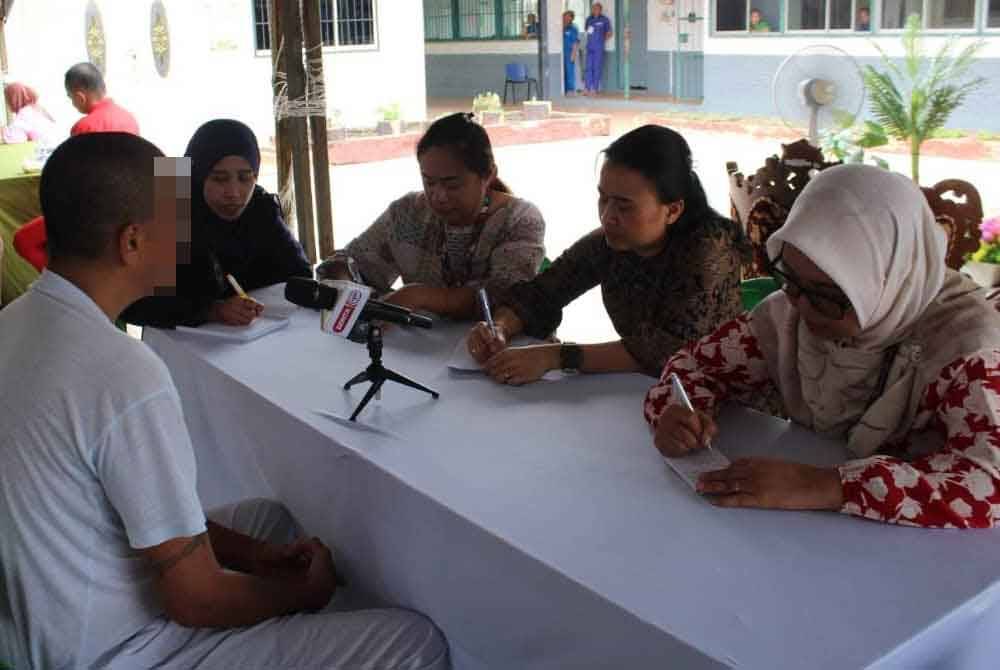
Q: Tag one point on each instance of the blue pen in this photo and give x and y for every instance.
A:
(484, 306)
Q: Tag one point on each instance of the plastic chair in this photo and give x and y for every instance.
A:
(29, 242)
(752, 291)
(517, 73)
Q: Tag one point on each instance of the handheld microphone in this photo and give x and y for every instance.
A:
(317, 295)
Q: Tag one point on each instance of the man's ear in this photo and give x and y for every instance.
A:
(131, 242)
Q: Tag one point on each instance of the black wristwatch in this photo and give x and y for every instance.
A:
(570, 357)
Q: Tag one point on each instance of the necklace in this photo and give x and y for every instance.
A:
(449, 273)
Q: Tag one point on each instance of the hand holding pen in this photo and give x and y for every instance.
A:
(681, 428)
(485, 339)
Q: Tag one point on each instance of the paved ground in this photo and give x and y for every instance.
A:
(561, 177)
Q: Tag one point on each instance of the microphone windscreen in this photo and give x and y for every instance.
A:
(310, 293)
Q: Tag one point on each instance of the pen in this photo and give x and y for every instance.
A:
(236, 286)
(678, 389)
(484, 305)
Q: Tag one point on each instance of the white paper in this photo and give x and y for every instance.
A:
(260, 326)
(274, 302)
(462, 361)
(692, 466)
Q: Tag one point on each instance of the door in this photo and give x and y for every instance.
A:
(635, 44)
(688, 58)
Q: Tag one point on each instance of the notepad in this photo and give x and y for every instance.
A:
(692, 466)
(260, 327)
(274, 302)
(462, 361)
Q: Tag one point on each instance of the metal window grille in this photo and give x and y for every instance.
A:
(355, 22)
(438, 20)
(261, 26)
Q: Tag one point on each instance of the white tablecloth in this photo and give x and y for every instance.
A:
(539, 528)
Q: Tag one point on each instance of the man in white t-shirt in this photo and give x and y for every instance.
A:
(106, 557)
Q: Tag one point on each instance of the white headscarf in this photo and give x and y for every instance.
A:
(874, 234)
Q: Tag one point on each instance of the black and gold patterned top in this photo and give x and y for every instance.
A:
(657, 303)
(408, 240)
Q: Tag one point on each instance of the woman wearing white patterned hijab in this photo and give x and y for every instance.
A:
(874, 340)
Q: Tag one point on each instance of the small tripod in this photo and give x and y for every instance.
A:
(377, 374)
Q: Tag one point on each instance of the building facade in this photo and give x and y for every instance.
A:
(711, 55)
(178, 63)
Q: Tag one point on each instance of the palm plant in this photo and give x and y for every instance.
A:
(913, 101)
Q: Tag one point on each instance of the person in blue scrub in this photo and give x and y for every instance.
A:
(598, 29)
(571, 38)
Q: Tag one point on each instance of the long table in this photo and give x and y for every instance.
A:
(539, 528)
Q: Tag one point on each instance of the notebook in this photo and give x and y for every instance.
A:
(260, 327)
(693, 465)
(462, 361)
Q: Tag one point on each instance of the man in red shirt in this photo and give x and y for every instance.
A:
(85, 88)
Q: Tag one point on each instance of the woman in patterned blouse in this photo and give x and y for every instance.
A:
(668, 266)
(874, 340)
(464, 231)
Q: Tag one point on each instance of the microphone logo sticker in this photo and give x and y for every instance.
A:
(354, 298)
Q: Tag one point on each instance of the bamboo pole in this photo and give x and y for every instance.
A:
(317, 128)
(291, 21)
(282, 132)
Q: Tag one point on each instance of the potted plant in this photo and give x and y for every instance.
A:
(846, 141)
(913, 101)
(488, 108)
(389, 124)
(983, 265)
(336, 131)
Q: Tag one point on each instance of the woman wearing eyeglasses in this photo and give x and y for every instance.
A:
(873, 340)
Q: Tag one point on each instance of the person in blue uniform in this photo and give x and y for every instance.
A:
(571, 39)
(598, 29)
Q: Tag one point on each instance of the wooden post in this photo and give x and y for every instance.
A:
(317, 127)
(282, 132)
(291, 22)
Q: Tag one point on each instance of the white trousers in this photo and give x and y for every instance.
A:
(377, 639)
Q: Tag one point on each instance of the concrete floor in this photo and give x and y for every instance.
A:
(561, 178)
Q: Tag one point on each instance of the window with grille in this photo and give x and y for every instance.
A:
(342, 23)
(261, 27)
(480, 19)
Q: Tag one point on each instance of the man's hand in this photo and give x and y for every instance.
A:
(321, 576)
(235, 311)
(681, 431)
(773, 484)
(282, 561)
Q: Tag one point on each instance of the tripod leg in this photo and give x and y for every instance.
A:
(357, 379)
(400, 379)
(372, 390)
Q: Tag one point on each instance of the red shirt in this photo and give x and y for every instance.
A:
(106, 117)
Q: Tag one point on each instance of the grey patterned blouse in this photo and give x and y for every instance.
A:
(408, 240)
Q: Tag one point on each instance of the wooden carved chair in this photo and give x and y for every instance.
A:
(760, 203)
(959, 209)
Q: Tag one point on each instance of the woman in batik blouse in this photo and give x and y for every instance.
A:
(668, 266)
(463, 232)
(873, 340)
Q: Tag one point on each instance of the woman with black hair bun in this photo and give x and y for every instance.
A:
(668, 266)
(463, 232)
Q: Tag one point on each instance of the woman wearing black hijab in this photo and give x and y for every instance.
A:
(236, 228)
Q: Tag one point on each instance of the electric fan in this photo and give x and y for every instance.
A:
(820, 86)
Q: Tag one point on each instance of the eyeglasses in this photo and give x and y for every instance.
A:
(831, 306)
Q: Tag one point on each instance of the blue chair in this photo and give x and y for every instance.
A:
(517, 73)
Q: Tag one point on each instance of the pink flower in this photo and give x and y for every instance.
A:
(989, 230)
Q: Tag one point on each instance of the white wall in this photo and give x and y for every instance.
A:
(214, 69)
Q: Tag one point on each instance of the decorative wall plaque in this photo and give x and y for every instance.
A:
(159, 37)
(97, 48)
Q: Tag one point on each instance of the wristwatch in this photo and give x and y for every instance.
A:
(570, 357)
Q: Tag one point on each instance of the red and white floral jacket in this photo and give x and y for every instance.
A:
(957, 486)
